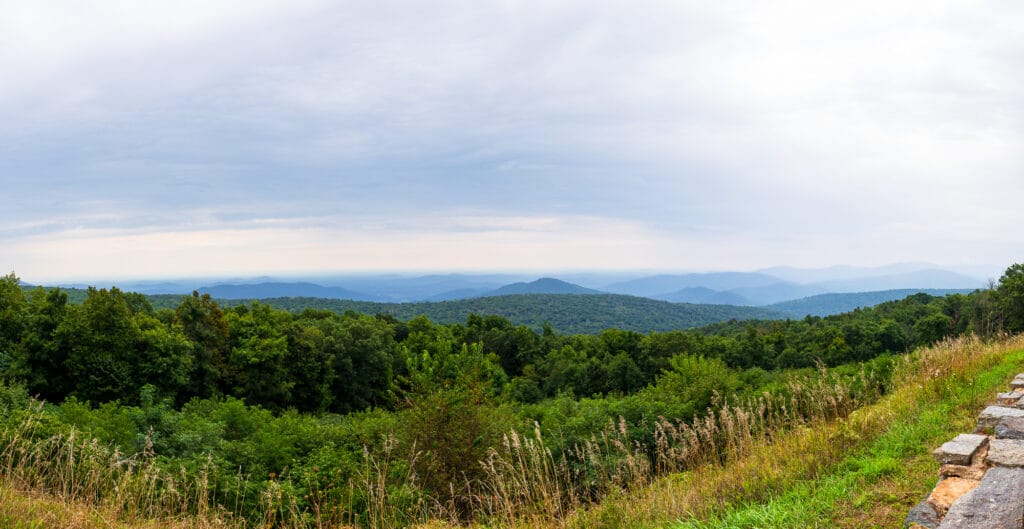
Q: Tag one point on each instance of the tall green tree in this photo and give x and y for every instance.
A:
(41, 359)
(114, 352)
(1011, 297)
(204, 324)
(259, 349)
(360, 352)
(12, 317)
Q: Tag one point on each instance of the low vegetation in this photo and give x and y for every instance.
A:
(251, 416)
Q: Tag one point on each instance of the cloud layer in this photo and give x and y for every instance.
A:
(150, 139)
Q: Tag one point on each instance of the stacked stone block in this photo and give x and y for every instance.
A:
(982, 473)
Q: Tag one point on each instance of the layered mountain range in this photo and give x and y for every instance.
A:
(791, 291)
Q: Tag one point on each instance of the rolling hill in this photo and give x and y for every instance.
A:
(838, 303)
(544, 285)
(568, 313)
(704, 295)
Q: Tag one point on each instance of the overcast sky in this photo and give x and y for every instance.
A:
(148, 139)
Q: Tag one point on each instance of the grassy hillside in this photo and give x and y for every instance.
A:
(866, 470)
(568, 313)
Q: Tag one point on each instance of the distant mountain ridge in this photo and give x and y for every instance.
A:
(277, 290)
(544, 285)
(759, 295)
(840, 302)
(759, 288)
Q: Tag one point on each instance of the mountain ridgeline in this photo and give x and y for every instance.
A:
(762, 288)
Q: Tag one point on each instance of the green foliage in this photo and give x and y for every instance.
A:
(40, 359)
(113, 350)
(696, 381)
(12, 306)
(203, 323)
(259, 348)
(1011, 297)
(360, 354)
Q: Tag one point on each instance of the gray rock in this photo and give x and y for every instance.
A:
(1010, 428)
(998, 503)
(1018, 381)
(960, 450)
(1009, 398)
(1006, 453)
(923, 514)
(991, 415)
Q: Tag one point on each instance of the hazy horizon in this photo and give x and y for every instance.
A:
(982, 272)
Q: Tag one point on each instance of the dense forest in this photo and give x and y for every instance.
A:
(305, 398)
(566, 313)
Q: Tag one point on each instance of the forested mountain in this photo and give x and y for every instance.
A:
(570, 313)
(759, 295)
(667, 283)
(704, 295)
(544, 285)
(776, 292)
(826, 304)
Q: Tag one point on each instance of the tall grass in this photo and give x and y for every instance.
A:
(738, 449)
(80, 470)
(527, 482)
(800, 452)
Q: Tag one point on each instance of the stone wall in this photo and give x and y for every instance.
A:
(981, 481)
